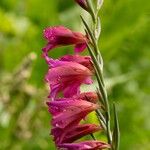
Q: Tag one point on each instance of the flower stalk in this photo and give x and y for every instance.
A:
(94, 34)
(66, 103)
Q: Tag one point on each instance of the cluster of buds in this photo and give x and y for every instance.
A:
(67, 105)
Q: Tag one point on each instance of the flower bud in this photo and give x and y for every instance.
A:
(83, 4)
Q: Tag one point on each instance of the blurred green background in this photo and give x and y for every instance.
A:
(125, 39)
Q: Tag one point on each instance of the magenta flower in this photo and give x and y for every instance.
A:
(70, 135)
(67, 77)
(83, 4)
(68, 113)
(83, 60)
(61, 36)
(87, 145)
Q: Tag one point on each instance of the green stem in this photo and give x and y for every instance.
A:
(98, 66)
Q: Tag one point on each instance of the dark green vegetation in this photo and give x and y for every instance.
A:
(24, 120)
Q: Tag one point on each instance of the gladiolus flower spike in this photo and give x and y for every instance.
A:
(68, 106)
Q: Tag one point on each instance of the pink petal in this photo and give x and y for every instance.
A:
(69, 112)
(72, 89)
(88, 96)
(80, 47)
(48, 47)
(83, 60)
(87, 145)
(67, 76)
(69, 135)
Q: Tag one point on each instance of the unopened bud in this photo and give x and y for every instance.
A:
(83, 4)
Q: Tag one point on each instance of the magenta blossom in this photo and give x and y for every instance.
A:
(67, 77)
(83, 60)
(61, 36)
(68, 113)
(87, 145)
(70, 135)
(83, 4)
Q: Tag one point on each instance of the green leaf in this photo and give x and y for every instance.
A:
(116, 131)
(91, 10)
(88, 29)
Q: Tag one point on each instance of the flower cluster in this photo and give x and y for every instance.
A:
(67, 105)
